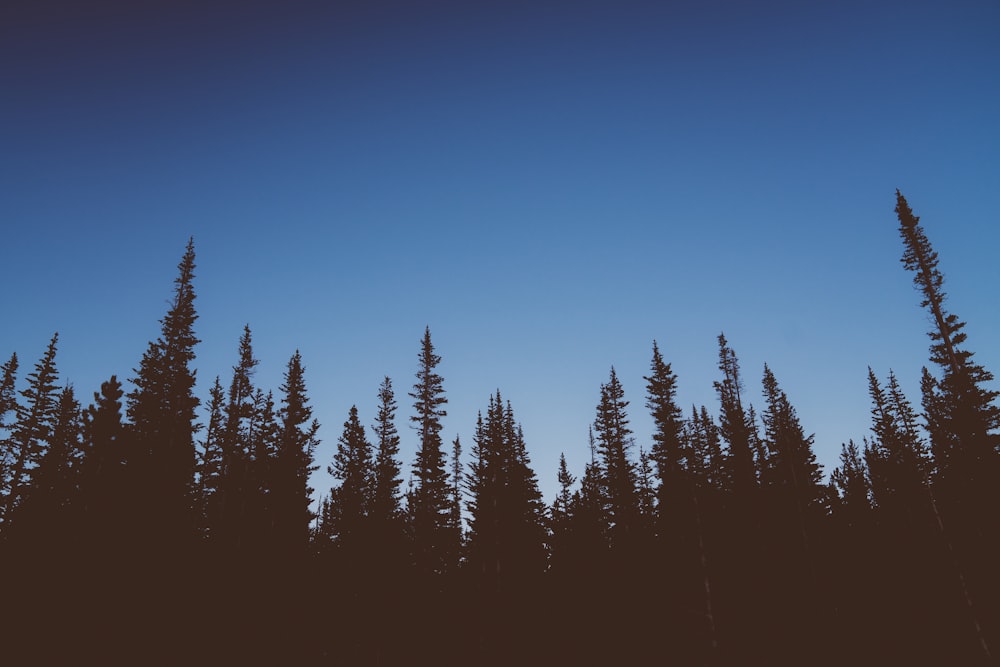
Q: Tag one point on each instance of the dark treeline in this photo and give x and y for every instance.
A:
(148, 527)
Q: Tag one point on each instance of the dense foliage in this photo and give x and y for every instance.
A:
(130, 532)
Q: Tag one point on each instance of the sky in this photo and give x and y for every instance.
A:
(548, 186)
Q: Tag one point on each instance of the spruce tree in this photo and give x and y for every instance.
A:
(352, 498)
(736, 425)
(162, 409)
(961, 411)
(8, 395)
(614, 440)
(386, 498)
(506, 527)
(105, 484)
(234, 498)
(49, 511)
(211, 462)
(667, 452)
(30, 432)
(293, 461)
(429, 506)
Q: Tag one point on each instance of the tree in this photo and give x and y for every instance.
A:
(162, 412)
(293, 461)
(792, 470)
(48, 513)
(352, 466)
(735, 425)
(386, 498)
(211, 463)
(668, 422)
(8, 397)
(506, 527)
(962, 416)
(105, 485)
(30, 432)
(614, 440)
(429, 506)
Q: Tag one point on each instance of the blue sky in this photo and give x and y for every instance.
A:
(549, 186)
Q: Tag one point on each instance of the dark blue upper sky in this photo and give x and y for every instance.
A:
(548, 185)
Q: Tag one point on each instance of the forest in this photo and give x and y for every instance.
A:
(145, 525)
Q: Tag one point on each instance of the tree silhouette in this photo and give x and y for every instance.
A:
(429, 504)
(161, 409)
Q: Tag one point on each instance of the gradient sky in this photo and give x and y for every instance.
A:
(548, 185)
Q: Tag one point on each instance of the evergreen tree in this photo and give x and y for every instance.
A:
(668, 452)
(30, 432)
(735, 425)
(429, 506)
(231, 503)
(963, 421)
(211, 463)
(162, 412)
(850, 479)
(105, 485)
(561, 519)
(351, 500)
(8, 405)
(386, 498)
(48, 513)
(962, 415)
(8, 396)
(792, 469)
(614, 439)
(293, 460)
(506, 528)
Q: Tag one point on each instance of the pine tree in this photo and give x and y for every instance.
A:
(351, 499)
(850, 479)
(614, 440)
(8, 405)
(162, 412)
(429, 506)
(386, 500)
(962, 414)
(293, 461)
(233, 500)
(8, 396)
(736, 426)
(105, 483)
(211, 463)
(30, 432)
(668, 452)
(48, 513)
(506, 527)
(792, 469)
(561, 519)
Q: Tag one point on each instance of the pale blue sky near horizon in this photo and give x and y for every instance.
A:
(548, 186)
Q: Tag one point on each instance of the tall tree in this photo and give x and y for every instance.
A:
(110, 514)
(49, 511)
(30, 432)
(162, 412)
(735, 424)
(231, 503)
(351, 500)
(962, 415)
(293, 461)
(792, 470)
(668, 423)
(386, 498)
(506, 534)
(211, 462)
(429, 506)
(614, 440)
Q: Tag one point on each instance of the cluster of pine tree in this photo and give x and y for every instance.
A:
(130, 532)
